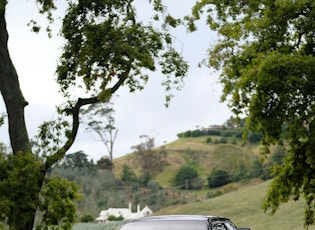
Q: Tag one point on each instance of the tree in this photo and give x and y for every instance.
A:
(185, 176)
(105, 163)
(266, 56)
(105, 47)
(151, 161)
(78, 159)
(128, 175)
(218, 178)
(104, 127)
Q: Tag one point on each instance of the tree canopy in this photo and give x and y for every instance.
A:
(105, 47)
(265, 53)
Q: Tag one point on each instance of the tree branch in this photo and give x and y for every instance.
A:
(75, 111)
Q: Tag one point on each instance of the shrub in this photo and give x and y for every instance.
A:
(115, 218)
(218, 178)
(208, 140)
(223, 140)
(86, 218)
(184, 177)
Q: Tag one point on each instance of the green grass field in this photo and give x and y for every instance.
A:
(243, 207)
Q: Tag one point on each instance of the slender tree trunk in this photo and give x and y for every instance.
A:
(15, 104)
(11, 93)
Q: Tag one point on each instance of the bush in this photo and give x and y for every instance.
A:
(218, 178)
(213, 132)
(87, 218)
(185, 176)
(234, 141)
(115, 218)
(223, 140)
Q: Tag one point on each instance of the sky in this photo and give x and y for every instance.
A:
(140, 113)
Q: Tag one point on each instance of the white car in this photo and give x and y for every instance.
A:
(181, 222)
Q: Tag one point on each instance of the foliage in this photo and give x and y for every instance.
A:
(128, 176)
(151, 161)
(115, 218)
(78, 159)
(223, 140)
(185, 176)
(218, 178)
(106, 44)
(97, 187)
(105, 163)
(20, 181)
(21, 178)
(100, 119)
(267, 62)
(223, 132)
(57, 203)
(275, 159)
(208, 140)
(87, 218)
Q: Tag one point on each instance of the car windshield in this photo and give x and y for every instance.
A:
(164, 225)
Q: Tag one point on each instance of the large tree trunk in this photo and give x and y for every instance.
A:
(11, 93)
(15, 103)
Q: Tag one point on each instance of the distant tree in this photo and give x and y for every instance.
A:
(151, 161)
(78, 159)
(218, 178)
(208, 140)
(100, 120)
(87, 218)
(240, 174)
(128, 175)
(223, 140)
(105, 163)
(184, 177)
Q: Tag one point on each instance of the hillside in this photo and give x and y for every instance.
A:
(244, 208)
(103, 189)
(204, 156)
(241, 206)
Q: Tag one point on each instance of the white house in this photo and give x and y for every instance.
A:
(126, 213)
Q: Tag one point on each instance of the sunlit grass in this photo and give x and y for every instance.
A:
(243, 207)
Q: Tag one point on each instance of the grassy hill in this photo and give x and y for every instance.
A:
(241, 203)
(243, 207)
(201, 154)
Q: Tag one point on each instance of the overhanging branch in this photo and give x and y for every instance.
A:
(75, 111)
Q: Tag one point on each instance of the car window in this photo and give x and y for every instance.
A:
(166, 225)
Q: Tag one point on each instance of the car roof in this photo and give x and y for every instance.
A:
(206, 218)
